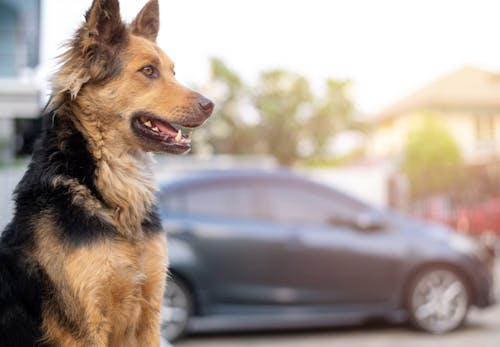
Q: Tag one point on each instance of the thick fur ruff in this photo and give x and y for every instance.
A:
(64, 258)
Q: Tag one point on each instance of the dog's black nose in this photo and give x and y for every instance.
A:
(206, 105)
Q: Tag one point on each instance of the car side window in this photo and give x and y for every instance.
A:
(227, 200)
(304, 204)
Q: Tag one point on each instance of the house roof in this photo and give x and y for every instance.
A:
(467, 87)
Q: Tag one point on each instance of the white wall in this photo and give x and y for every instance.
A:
(365, 182)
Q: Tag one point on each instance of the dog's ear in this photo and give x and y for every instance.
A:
(103, 24)
(147, 22)
(93, 52)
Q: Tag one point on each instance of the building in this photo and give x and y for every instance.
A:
(466, 102)
(19, 56)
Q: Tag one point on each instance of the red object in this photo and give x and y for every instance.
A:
(479, 219)
(476, 219)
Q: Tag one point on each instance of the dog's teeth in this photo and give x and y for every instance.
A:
(148, 124)
(156, 129)
(179, 136)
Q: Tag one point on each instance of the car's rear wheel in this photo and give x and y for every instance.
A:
(176, 310)
(438, 300)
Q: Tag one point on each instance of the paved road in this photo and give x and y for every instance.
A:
(482, 330)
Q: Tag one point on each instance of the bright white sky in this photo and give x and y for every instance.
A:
(388, 48)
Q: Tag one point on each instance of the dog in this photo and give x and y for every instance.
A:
(83, 261)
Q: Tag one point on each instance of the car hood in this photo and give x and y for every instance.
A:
(428, 231)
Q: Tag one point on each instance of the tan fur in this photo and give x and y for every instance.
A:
(115, 287)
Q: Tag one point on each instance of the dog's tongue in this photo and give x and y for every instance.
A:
(166, 129)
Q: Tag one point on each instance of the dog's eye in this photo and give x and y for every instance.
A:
(150, 71)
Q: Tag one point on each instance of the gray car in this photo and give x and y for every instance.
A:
(270, 249)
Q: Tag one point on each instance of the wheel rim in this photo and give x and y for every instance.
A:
(175, 311)
(439, 301)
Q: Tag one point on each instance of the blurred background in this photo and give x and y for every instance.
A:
(395, 103)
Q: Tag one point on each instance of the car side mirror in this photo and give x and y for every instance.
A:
(370, 221)
(366, 221)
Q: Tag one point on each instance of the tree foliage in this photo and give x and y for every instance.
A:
(279, 115)
(432, 159)
(227, 131)
(333, 113)
(279, 97)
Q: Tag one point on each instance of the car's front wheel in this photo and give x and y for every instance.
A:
(176, 310)
(438, 300)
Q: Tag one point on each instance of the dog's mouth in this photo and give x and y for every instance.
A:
(160, 134)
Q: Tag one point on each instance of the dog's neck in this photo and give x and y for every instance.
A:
(123, 178)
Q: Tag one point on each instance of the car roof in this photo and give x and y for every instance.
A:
(215, 176)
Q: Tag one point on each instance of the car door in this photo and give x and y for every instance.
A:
(324, 259)
(220, 220)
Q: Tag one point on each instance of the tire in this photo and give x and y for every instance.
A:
(438, 300)
(176, 310)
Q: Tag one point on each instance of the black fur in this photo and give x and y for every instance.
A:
(152, 223)
(35, 192)
(23, 284)
(20, 301)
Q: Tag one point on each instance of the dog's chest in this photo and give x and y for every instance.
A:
(118, 278)
(126, 283)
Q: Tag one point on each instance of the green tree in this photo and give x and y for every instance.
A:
(432, 159)
(334, 112)
(227, 131)
(288, 121)
(280, 96)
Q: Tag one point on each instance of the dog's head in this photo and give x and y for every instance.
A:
(117, 73)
